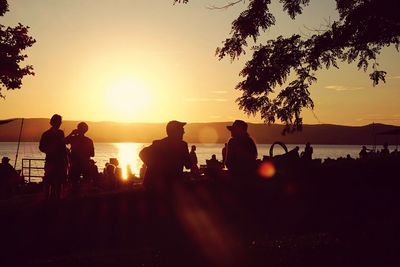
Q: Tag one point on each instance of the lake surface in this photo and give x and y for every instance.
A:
(127, 153)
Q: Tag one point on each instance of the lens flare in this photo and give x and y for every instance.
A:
(267, 170)
(208, 135)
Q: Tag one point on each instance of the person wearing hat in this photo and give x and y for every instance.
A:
(241, 153)
(8, 177)
(165, 160)
(55, 167)
(82, 149)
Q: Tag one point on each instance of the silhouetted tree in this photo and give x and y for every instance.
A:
(364, 27)
(13, 40)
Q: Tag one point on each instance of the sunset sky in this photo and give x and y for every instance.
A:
(151, 61)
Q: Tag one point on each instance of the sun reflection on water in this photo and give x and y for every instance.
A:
(128, 155)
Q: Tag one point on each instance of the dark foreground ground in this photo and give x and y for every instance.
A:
(343, 214)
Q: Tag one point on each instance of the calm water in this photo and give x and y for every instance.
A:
(127, 153)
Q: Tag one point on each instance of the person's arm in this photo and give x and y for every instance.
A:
(186, 157)
(254, 148)
(43, 143)
(69, 138)
(229, 154)
(147, 154)
(91, 149)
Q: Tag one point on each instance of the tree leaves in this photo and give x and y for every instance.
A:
(13, 40)
(363, 29)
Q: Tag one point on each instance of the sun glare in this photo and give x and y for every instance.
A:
(127, 99)
(128, 158)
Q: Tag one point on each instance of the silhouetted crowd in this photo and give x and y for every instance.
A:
(163, 161)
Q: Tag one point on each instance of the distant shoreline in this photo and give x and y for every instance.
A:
(214, 133)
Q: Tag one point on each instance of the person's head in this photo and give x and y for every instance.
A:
(308, 144)
(238, 128)
(193, 148)
(175, 129)
(114, 161)
(82, 128)
(56, 121)
(364, 148)
(5, 160)
(213, 156)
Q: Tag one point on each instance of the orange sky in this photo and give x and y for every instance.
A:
(150, 61)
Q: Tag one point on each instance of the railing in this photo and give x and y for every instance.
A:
(32, 168)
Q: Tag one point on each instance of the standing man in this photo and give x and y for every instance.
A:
(241, 153)
(193, 160)
(82, 149)
(165, 160)
(308, 151)
(53, 145)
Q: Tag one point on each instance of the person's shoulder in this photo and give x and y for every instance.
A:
(87, 139)
(159, 141)
(183, 143)
(47, 132)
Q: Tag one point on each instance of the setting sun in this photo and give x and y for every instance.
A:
(127, 98)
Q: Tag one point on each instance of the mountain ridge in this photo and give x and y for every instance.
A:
(211, 132)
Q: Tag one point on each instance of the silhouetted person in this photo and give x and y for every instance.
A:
(93, 171)
(110, 175)
(241, 155)
(8, 178)
(194, 168)
(308, 151)
(82, 149)
(294, 153)
(118, 170)
(142, 171)
(52, 143)
(213, 163)
(363, 153)
(213, 166)
(385, 150)
(165, 160)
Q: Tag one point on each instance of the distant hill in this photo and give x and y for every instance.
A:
(214, 132)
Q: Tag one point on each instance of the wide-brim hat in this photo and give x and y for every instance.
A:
(5, 159)
(238, 124)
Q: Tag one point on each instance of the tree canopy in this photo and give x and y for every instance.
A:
(13, 40)
(363, 28)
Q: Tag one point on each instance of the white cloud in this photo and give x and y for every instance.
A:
(341, 88)
(219, 92)
(197, 99)
(194, 99)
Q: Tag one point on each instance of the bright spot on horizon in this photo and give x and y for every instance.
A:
(127, 99)
(208, 135)
(128, 155)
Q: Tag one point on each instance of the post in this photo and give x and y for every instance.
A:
(19, 141)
